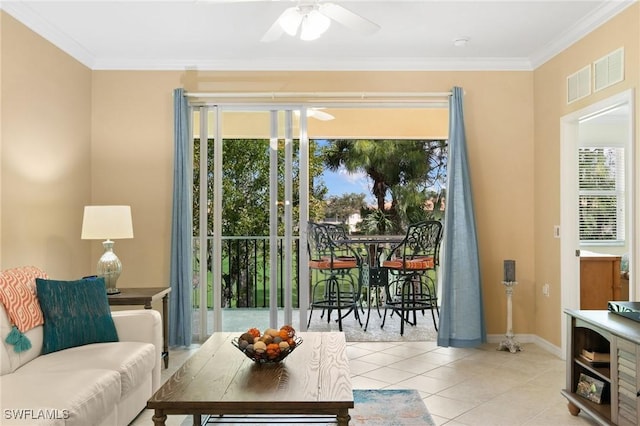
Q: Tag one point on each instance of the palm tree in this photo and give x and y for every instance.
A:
(405, 169)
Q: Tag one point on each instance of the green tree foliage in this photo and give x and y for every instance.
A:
(245, 184)
(406, 171)
(342, 206)
(245, 203)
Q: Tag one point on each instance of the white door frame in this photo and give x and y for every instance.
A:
(569, 236)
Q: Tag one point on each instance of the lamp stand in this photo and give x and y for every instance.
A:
(509, 343)
(109, 267)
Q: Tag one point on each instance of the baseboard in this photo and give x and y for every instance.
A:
(529, 338)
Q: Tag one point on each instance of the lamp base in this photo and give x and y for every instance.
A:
(510, 344)
(109, 267)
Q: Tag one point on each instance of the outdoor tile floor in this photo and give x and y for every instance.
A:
(480, 386)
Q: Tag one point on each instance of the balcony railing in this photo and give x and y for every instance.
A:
(245, 272)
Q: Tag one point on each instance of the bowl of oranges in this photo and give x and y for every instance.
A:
(269, 347)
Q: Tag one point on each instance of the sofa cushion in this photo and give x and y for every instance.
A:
(59, 398)
(17, 295)
(75, 313)
(133, 361)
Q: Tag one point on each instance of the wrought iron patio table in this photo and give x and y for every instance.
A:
(372, 276)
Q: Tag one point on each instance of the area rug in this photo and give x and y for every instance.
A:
(389, 407)
(375, 407)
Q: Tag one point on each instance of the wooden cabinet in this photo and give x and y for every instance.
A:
(603, 331)
(599, 280)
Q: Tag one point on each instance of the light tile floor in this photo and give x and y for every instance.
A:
(479, 386)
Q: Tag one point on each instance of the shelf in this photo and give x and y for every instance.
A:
(605, 332)
(600, 412)
(599, 370)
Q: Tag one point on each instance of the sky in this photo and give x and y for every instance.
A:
(341, 182)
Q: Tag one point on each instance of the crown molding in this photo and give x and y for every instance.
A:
(21, 11)
(585, 26)
(287, 64)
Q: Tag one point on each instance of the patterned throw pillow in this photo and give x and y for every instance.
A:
(18, 295)
(76, 313)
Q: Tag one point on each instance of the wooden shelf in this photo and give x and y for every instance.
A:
(604, 373)
(600, 412)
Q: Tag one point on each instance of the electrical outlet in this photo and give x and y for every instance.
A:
(545, 289)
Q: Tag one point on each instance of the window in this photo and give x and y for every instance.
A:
(601, 195)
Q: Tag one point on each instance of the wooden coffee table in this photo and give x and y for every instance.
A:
(219, 382)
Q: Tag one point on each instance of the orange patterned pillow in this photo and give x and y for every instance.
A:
(18, 295)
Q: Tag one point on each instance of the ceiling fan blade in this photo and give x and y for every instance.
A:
(348, 18)
(319, 115)
(315, 113)
(273, 33)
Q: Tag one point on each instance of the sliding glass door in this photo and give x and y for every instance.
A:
(250, 200)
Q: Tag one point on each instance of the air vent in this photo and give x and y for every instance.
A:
(609, 70)
(579, 84)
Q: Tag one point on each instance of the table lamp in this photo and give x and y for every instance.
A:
(105, 223)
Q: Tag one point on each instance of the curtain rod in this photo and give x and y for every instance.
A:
(318, 95)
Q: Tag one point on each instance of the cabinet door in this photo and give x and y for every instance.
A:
(599, 281)
(625, 404)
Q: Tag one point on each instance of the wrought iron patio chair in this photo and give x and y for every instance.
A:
(338, 273)
(412, 267)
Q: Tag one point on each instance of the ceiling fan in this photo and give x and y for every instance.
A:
(311, 18)
(316, 113)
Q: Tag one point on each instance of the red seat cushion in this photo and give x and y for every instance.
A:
(337, 263)
(411, 264)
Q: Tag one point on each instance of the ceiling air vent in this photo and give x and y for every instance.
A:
(608, 70)
(579, 84)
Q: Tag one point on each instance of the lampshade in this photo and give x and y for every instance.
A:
(106, 223)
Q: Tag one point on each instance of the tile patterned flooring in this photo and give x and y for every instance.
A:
(480, 386)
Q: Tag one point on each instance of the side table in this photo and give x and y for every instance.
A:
(145, 296)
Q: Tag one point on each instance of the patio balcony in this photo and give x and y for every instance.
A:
(245, 304)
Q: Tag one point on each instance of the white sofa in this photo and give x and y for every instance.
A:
(100, 384)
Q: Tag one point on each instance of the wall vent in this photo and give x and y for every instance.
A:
(579, 84)
(608, 70)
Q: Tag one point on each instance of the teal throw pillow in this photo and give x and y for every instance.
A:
(75, 313)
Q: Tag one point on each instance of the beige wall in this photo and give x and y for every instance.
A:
(106, 137)
(1, 134)
(550, 106)
(45, 164)
(132, 163)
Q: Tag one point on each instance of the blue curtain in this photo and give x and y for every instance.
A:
(180, 321)
(461, 313)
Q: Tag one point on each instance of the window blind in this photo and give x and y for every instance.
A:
(601, 194)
